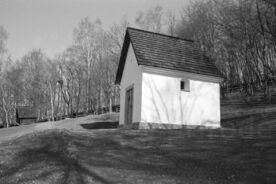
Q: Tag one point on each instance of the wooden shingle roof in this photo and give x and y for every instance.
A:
(165, 52)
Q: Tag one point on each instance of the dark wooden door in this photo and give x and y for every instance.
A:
(129, 106)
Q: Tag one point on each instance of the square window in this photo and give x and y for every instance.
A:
(185, 85)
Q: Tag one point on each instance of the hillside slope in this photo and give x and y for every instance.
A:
(248, 112)
(211, 156)
(236, 112)
(75, 151)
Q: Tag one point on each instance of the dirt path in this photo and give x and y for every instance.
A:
(73, 124)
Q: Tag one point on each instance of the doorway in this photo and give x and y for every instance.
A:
(129, 105)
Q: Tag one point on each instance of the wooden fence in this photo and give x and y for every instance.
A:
(243, 86)
(102, 110)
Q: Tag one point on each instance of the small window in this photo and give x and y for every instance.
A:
(185, 85)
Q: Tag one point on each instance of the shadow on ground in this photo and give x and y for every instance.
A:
(100, 125)
(140, 156)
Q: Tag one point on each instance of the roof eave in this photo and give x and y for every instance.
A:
(122, 60)
(181, 74)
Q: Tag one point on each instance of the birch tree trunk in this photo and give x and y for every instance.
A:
(52, 99)
(5, 108)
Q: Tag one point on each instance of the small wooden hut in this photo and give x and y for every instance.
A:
(26, 115)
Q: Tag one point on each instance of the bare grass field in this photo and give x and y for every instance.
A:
(67, 152)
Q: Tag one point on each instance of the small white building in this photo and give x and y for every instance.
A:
(166, 83)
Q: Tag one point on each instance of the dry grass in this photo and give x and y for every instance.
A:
(73, 151)
(248, 112)
(140, 156)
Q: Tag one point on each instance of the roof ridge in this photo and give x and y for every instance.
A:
(160, 34)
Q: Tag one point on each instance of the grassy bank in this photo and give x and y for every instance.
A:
(140, 156)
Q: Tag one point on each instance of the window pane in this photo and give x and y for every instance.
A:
(182, 85)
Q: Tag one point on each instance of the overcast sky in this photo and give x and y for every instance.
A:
(48, 24)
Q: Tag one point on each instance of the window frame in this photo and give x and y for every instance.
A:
(186, 83)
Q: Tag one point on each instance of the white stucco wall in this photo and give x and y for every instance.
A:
(132, 75)
(164, 102)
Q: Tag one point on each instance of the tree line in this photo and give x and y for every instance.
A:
(238, 35)
(80, 79)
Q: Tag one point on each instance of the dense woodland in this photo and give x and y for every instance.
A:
(238, 35)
